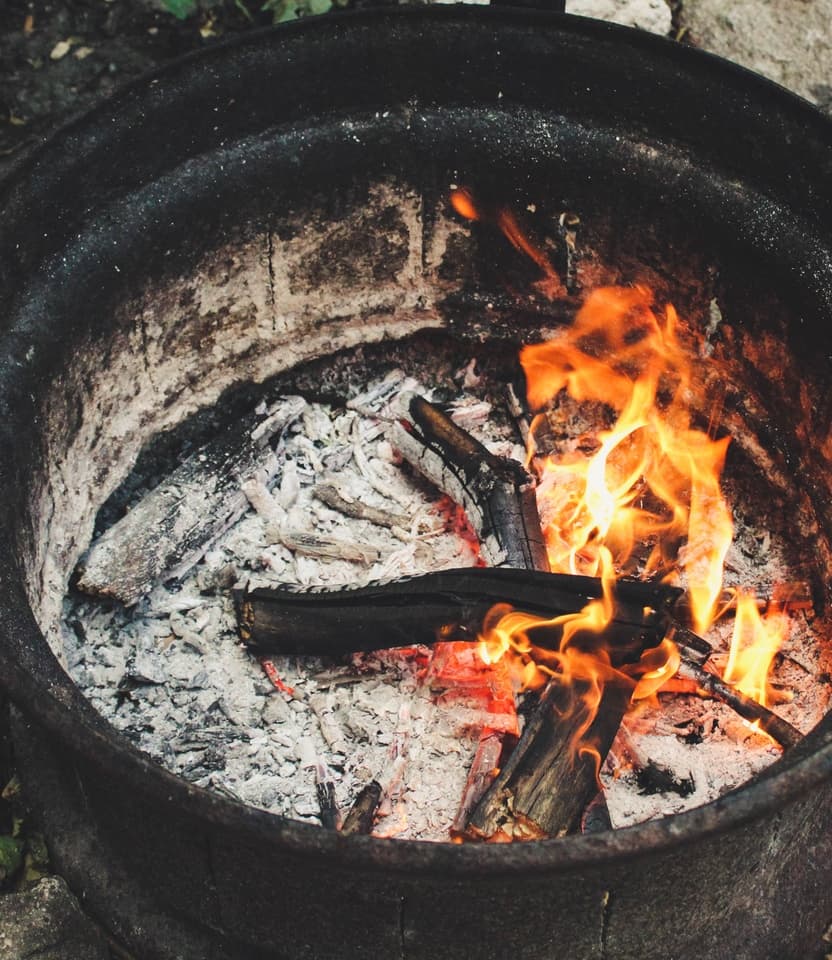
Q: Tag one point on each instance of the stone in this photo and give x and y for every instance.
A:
(46, 922)
(788, 41)
(652, 15)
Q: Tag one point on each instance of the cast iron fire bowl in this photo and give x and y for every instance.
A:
(283, 197)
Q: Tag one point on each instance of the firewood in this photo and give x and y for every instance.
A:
(549, 780)
(325, 791)
(170, 528)
(496, 493)
(362, 813)
(776, 727)
(484, 768)
(414, 610)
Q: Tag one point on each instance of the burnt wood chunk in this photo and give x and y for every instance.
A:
(361, 815)
(449, 604)
(497, 494)
(170, 528)
(484, 767)
(550, 778)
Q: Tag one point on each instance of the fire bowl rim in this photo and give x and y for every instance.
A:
(54, 704)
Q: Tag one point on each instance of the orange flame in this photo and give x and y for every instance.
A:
(655, 477)
(755, 641)
(645, 500)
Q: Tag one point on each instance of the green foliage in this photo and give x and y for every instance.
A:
(283, 10)
(181, 9)
(11, 856)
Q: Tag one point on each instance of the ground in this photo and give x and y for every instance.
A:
(60, 57)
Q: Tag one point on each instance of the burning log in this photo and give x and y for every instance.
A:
(546, 785)
(454, 602)
(484, 768)
(777, 728)
(168, 531)
(497, 494)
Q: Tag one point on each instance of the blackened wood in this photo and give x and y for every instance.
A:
(788, 597)
(693, 648)
(497, 494)
(363, 811)
(548, 782)
(325, 790)
(173, 525)
(414, 609)
(777, 728)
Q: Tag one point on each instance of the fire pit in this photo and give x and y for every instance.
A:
(239, 235)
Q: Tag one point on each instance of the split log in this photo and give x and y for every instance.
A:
(449, 604)
(768, 721)
(549, 780)
(170, 529)
(497, 494)
(484, 768)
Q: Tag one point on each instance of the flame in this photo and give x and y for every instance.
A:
(641, 497)
(755, 641)
(655, 478)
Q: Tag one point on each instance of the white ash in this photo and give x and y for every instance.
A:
(172, 675)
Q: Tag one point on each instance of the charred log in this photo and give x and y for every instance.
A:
(450, 604)
(552, 775)
(173, 525)
(362, 813)
(496, 493)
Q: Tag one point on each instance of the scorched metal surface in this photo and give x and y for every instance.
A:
(325, 150)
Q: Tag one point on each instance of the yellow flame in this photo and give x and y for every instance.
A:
(623, 353)
(755, 641)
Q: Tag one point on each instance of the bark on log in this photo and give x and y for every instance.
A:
(362, 813)
(546, 785)
(173, 525)
(415, 609)
(497, 494)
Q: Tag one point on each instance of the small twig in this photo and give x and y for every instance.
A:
(777, 728)
(332, 548)
(329, 494)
